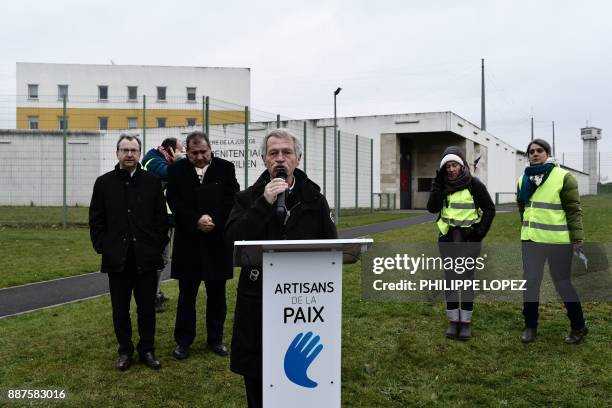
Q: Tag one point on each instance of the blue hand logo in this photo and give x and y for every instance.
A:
(297, 359)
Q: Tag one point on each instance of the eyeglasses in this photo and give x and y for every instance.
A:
(537, 149)
(126, 151)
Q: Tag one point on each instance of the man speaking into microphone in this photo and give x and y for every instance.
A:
(282, 204)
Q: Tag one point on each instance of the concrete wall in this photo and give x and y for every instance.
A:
(31, 167)
(31, 162)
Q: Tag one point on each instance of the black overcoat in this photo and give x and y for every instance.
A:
(201, 255)
(126, 210)
(252, 218)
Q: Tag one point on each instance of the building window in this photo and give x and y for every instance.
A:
(103, 92)
(191, 121)
(61, 123)
(191, 94)
(161, 93)
(132, 93)
(33, 91)
(103, 123)
(132, 123)
(32, 122)
(161, 122)
(62, 92)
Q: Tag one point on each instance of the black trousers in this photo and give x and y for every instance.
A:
(454, 245)
(254, 394)
(559, 258)
(216, 310)
(144, 286)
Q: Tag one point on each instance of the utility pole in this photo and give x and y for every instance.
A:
(336, 161)
(553, 130)
(483, 120)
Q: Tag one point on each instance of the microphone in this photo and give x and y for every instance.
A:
(281, 210)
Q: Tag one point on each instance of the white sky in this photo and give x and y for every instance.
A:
(552, 58)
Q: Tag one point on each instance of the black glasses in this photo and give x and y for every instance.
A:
(126, 151)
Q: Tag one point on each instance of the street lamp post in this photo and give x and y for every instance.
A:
(336, 169)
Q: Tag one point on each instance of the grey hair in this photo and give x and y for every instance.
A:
(281, 133)
(125, 136)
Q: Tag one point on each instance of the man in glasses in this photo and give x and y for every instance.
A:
(129, 228)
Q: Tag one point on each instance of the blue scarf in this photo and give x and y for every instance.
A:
(528, 186)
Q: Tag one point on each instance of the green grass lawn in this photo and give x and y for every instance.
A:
(37, 253)
(27, 216)
(394, 354)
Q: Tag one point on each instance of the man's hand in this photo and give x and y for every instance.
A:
(171, 155)
(205, 223)
(274, 188)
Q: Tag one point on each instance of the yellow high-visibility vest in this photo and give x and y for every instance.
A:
(459, 212)
(544, 218)
(168, 210)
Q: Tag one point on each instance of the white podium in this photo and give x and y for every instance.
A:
(302, 316)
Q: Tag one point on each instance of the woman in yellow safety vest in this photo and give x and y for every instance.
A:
(551, 229)
(466, 212)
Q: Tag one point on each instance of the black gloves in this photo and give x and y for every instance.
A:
(439, 180)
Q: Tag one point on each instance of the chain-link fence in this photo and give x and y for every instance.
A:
(52, 150)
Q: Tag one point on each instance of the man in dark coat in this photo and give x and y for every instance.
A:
(128, 226)
(255, 217)
(200, 192)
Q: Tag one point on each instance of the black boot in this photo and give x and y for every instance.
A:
(465, 332)
(576, 336)
(529, 335)
(451, 331)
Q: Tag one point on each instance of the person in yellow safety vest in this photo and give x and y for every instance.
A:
(466, 212)
(551, 229)
(157, 161)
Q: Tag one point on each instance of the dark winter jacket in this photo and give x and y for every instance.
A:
(128, 211)
(201, 255)
(482, 200)
(252, 218)
(156, 163)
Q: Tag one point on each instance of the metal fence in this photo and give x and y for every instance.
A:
(52, 150)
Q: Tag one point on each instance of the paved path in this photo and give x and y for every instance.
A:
(26, 298)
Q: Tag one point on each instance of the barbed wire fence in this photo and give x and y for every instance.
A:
(52, 150)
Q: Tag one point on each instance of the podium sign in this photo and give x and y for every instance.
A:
(301, 316)
(302, 309)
